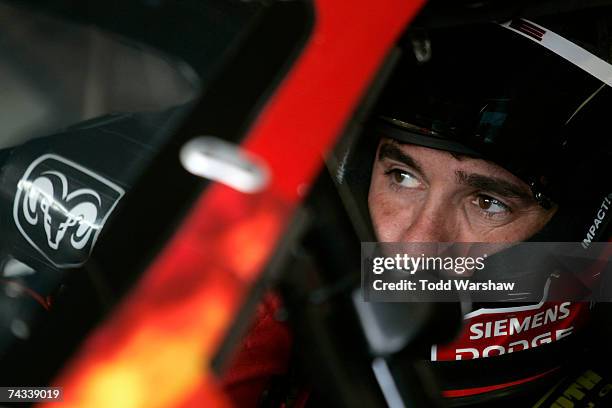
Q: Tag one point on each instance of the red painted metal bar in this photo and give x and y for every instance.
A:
(154, 350)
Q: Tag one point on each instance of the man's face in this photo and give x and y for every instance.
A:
(418, 194)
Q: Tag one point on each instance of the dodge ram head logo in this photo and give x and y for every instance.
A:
(60, 208)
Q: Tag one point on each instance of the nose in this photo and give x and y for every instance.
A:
(434, 220)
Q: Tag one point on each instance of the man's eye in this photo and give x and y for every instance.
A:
(403, 178)
(490, 205)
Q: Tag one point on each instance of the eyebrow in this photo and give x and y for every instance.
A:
(494, 185)
(390, 151)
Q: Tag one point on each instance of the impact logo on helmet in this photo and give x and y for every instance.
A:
(598, 220)
(60, 208)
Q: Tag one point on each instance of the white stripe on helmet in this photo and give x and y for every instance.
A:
(564, 48)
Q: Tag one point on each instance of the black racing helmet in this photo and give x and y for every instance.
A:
(529, 99)
(518, 95)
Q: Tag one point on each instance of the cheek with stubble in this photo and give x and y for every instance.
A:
(389, 216)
